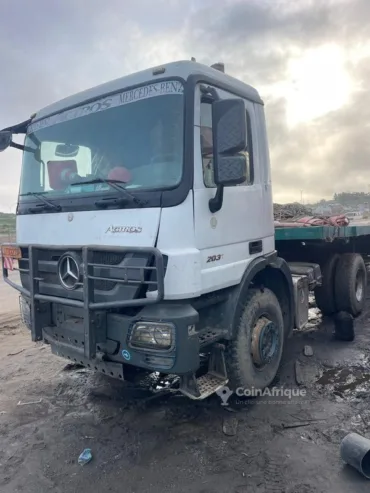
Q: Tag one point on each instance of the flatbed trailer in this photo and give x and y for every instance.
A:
(342, 252)
(322, 233)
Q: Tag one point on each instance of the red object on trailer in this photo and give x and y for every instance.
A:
(308, 221)
(340, 220)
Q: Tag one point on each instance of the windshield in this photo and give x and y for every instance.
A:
(134, 138)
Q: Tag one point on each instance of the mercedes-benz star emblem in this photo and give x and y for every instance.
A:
(69, 271)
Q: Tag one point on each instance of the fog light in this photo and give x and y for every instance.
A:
(152, 335)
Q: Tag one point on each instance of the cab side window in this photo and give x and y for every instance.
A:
(207, 147)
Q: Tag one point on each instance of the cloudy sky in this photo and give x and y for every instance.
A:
(309, 59)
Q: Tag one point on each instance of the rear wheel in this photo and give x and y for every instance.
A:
(324, 294)
(253, 357)
(350, 284)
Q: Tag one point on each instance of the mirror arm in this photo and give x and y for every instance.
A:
(20, 128)
(17, 146)
(22, 147)
(215, 203)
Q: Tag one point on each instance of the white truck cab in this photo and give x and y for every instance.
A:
(145, 231)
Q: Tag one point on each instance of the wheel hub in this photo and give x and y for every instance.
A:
(265, 342)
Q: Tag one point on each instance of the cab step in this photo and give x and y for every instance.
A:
(209, 383)
(210, 336)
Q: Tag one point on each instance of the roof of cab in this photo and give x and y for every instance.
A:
(182, 69)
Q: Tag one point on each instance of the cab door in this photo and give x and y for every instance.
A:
(230, 238)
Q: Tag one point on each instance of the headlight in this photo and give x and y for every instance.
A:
(152, 335)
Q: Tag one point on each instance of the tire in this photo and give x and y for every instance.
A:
(350, 284)
(325, 294)
(242, 369)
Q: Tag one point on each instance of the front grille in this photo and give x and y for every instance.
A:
(132, 275)
(105, 285)
(48, 269)
(107, 258)
(115, 276)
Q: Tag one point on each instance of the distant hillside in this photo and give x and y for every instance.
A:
(7, 224)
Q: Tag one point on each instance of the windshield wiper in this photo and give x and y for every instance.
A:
(47, 204)
(126, 196)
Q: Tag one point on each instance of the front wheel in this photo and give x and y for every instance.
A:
(254, 355)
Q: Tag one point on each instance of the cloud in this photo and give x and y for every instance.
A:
(67, 48)
(331, 153)
(51, 50)
(325, 154)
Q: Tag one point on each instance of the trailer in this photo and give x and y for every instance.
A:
(342, 254)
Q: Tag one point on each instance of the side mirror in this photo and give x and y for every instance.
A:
(5, 139)
(229, 123)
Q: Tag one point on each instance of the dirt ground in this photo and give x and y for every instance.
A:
(50, 413)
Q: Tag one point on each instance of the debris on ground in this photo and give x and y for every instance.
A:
(14, 354)
(298, 373)
(355, 451)
(85, 457)
(308, 351)
(288, 426)
(72, 367)
(350, 382)
(284, 212)
(314, 320)
(230, 426)
(298, 215)
(20, 403)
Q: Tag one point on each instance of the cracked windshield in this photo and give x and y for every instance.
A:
(134, 138)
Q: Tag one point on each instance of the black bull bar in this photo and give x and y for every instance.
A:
(40, 317)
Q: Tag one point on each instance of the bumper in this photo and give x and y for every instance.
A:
(89, 333)
(114, 350)
(41, 304)
(67, 340)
